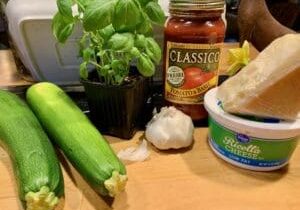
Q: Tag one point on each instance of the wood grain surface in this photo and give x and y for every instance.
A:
(9, 76)
(191, 179)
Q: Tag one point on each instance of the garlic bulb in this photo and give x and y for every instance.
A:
(170, 129)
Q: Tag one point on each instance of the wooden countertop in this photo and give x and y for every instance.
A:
(177, 180)
(9, 76)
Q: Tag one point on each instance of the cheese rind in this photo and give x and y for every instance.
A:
(269, 86)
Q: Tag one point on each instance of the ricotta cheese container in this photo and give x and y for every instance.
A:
(255, 144)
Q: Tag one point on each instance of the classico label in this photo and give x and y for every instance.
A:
(191, 70)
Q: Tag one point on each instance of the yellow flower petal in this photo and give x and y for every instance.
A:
(238, 58)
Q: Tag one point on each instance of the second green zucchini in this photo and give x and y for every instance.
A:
(79, 140)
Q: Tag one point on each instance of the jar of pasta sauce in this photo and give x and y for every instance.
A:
(194, 34)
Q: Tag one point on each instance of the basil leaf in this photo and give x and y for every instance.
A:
(87, 54)
(121, 42)
(104, 70)
(62, 27)
(83, 43)
(82, 4)
(107, 32)
(127, 15)
(144, 2)
(134, 52)
(155, 13)
(119, 79)
(140, 41)
(121, 70)
(65, 8)
(145, 27)
(153, 50)
(98, 14)
(145, 65)
(83, 71)
(118, 65)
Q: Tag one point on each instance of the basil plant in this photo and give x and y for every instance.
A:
(115, 34)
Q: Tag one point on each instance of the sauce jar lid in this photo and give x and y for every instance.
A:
(179, 5)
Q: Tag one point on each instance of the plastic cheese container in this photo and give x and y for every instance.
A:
(263, 145)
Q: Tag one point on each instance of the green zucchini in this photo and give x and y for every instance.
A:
(35, 164)
(80, 141)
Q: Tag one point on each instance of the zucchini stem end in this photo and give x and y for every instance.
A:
(42, 200)
(116, 183)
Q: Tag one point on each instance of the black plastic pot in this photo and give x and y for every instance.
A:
(116, 110)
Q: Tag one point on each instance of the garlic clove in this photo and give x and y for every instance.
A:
(135, 154)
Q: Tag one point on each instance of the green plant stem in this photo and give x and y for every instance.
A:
(95, 64)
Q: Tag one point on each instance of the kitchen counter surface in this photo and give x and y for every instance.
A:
(176, 180)
(192, 178)
(9, 76)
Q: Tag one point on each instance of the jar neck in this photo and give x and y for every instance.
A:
(196, 13)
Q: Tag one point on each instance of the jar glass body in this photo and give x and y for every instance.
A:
(192, 46)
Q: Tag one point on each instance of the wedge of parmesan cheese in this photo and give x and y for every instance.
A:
(269, 86)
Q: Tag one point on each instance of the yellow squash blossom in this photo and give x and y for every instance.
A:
(238, 58)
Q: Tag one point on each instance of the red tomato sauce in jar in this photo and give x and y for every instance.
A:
(194, 34)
